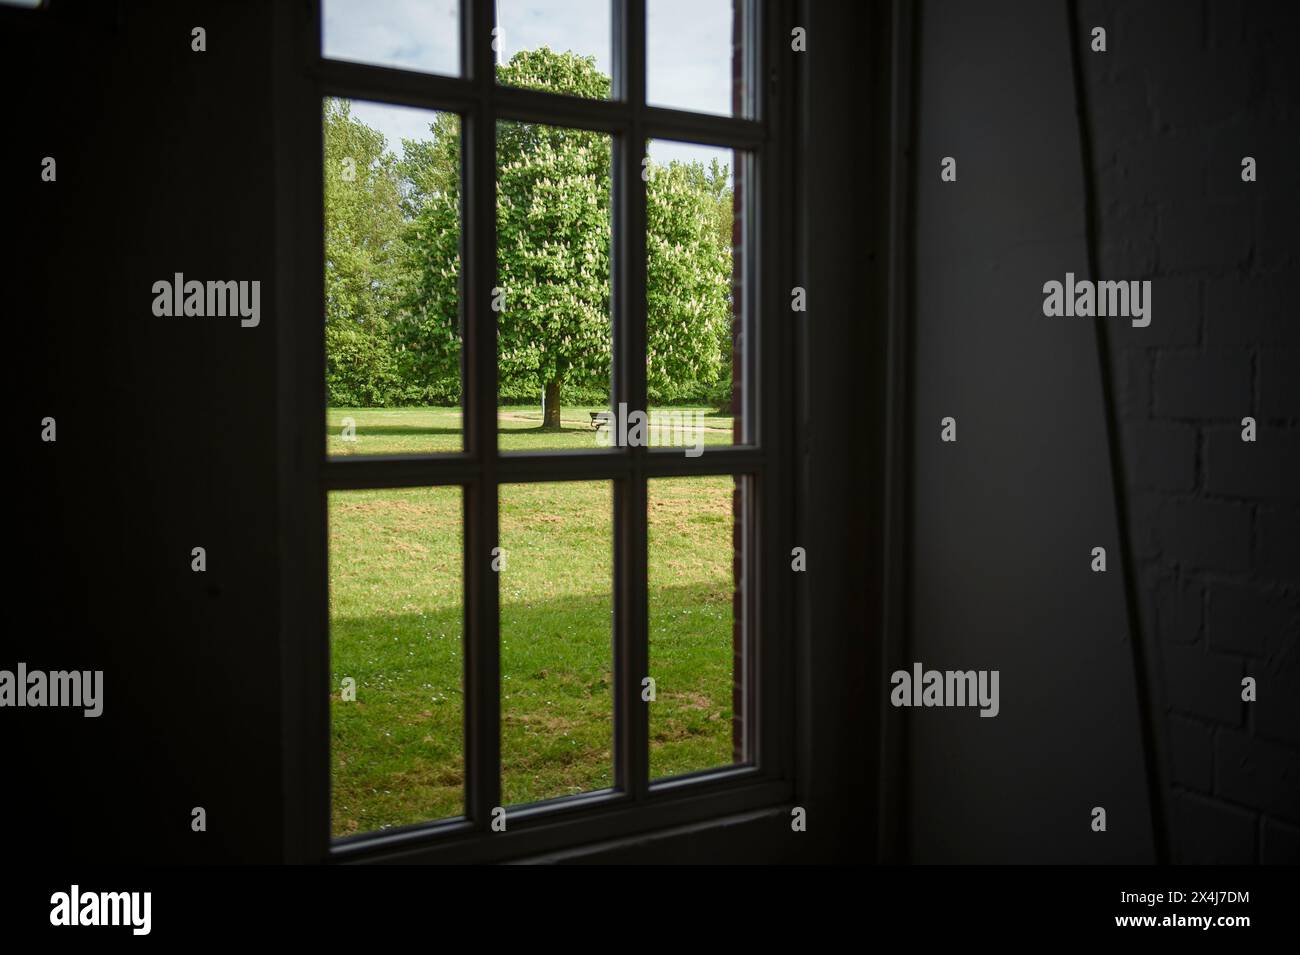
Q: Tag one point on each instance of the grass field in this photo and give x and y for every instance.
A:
(396, 619)
(433, 430)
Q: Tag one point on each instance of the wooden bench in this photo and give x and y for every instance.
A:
(599, 418)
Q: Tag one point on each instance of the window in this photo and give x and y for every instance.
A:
(543, 527)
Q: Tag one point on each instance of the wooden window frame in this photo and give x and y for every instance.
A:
(307, 475)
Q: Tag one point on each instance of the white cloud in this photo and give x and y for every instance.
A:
(688, 54)
(419, 35)
(688, 49)
(580, 26)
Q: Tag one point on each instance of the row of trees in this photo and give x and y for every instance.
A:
(392, 260)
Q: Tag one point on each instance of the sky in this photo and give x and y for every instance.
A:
(688, 52)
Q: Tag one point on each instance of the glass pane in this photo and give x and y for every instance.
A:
(696, 312)
(696, 56)
(554, 337)
(697, 623)
(392, 279)
(421, 35)
(560, 46)
(396, 699)
(557, 641)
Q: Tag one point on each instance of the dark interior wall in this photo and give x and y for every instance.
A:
(1182, 94)
(841, 347)
(1004, 520)
(166, 433)
(1148, 187)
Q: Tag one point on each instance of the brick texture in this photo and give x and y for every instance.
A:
(1183, 92)
(1280, 843)
(1191, 750)
(1196, 384)
(1210, 833)
(1255, 622)
(1253, 771)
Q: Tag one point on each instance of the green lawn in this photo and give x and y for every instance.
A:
(433, 430)
(395, 605)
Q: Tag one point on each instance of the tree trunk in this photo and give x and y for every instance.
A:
(551, 405)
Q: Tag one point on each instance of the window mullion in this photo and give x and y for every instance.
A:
(478, 257)
(773, 270)
(631, 562)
